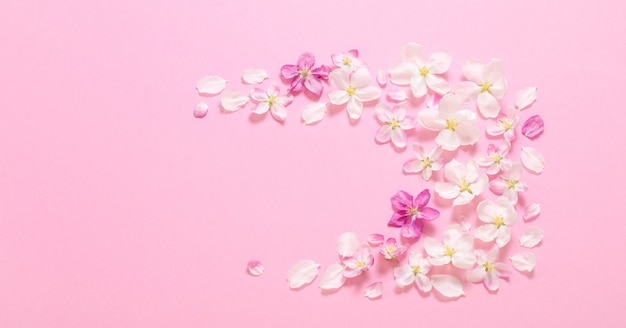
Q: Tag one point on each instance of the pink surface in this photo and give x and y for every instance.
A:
(119, 209)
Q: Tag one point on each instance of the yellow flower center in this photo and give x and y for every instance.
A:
(412, 211)
(465, 187)
(347, 61)
(485, 86)
(451, 125)
(360, 264)
(496, 158)
(351, 90)
(488, 266)
(498, 221)
(305, 72)
(427, 163)
(449, 251)
(511, 184)
(506, 124)
(423, 71)
(416, 270)
(271, 100)
(394, 124)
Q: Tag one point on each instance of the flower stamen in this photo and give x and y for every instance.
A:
(449, 251)
(451, 125)
(427, 162)
(350, 90)
(511, 183)
(347, 61)
(485, 87)
(487, 266)
(465, 187)
(394, 124)
(424, 71)
(498, 221)
(416, 270)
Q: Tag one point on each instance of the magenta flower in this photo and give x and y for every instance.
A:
(356, 264)
(409, 213)
(391, 249)
(304, 75)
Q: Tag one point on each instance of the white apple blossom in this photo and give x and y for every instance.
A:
(488, 270)
(415, 271)
(464, 182)
(426, 161)
(395, 122)
(485, 83)
(353, 89)
(271, 100)
(348, 61)
(509, 184)
(456, 248)
(498, 216)
(495, 160)
(505, 125)
(421, 73)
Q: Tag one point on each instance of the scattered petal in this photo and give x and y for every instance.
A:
(524, 261)
(531, 237)
(313, 113)
(447, 285)
(382, 78)
(200, 110)
(302, 273)
(532, 160)
(533, 127)
(375, 239)
(532, 211)
(211, 85)
(255, 267)
(525, 97)
(332, 278)
(348, 244)
(254, 75)
(397, 95)
(374, 290)
(233, 100)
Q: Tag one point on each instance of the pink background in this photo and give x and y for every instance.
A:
(119, 209)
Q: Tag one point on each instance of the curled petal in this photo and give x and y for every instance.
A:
(375, 239)
(532, 160)
(211, 85)
(374, 290)
(397, 95)
(233, 100)
(302, 273)
(382, 78)
(525, 97)
(447, 285)
(255, 268)
(532, 211)
(254, 75)
(524, 261)
(332, 278)
(347, 244)
(531, 237)
(533, 127)
(313, 113)
(200, 110)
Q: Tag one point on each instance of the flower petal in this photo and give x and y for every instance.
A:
(437, 84)
(525, 97)
(368, 93)
(524, 261)
(532, 211)
(374, 290)
(447, 190)
(332, 278)
(488, 105)
(404, 276)
(423, 283)
(375, 239)
(532, 160)
(301, 273)
(429, 118)
(339, 97)
(382, 78)
(211, 85)
(486, 232)
(200, 110)
(347, 244)
(397, 95)
(492, 282)
(254, 75)
(354, 108)
(533, 127)
(447, 285)
(398, 137)
(476, 275)
(314, 85)
(255, 268)
(438, 62)
(313, 113)
(531, 237)
(233, 100)
(403, 73)
(412, 229)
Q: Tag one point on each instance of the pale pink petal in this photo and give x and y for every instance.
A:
(462, 199)
(531, 237)
(339, 97)
(429, 118)
(524, 261)
(361, 78)
(375, 239)
(437, 84)
(427, 173)
(254, 75)
(413, 166)
(473, 71)
(418, 86)
(493, 71)
(289, 71)
(423, 283)
(398, 137)
(397, 95)
(492, 282)
(480, 184)
(498, 186)
(412, 52)
(495, 130)
(464, 242)
(488, 105)
(525, 97)
(340, 78)
(498, 89)
(302, 273)
(449, 105)
(261, 108)
(438, 261)
(468, 134)
(313, 113)
(200, 110)
(279, 112)
(255, 268)
(368, 93)
(354, 108)
(211, 85)
(502, 270)
(447, 285)
(486, 232)
(532, 160)
(467, 91)
(532, 211)
(463, 260)
(448, 140)
(533, 127)
(404, 276)
(476, 275)
(314, 86)
(433, 247)
(284, 100)
(438, 62)
(455, 172)
(382, 78)
(374, 290)
(383, 134)
(403, 73)
(258, 95)
(233, 100)
(332, 278)
(503, 236)
(447, 190)
(347, 244)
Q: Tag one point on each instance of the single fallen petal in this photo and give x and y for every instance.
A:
(254, 75)
(233, 100)
(211, 85)
(397, 95)
(301, 273)
(532, 160)
(375, 239)
(533, 127)
(525, 97)
(332, 278)
(347, 244)
(524, 261)
(313, 113)
(200, 110)
(532, 211)
(382, 78)
(447, 285)
(255, 267)
(531, 237)
(374, 290)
